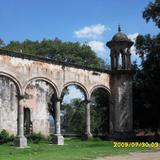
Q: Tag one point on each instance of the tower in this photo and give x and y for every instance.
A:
(121, 85)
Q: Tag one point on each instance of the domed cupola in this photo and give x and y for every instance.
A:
(120, 51)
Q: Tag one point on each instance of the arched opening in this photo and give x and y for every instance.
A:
(100, 111)
(73, 110)
(40, 98)
(9, 90)
(120, 61)
(28, 128)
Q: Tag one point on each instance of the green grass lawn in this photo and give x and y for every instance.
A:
(74, 149)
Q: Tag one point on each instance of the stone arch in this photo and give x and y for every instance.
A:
(17, 83)
(43, 79)
(40, 93)
(69, 119)
(78, 84)
(99, 87)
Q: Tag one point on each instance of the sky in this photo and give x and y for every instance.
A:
(73, 93)
(93, 22)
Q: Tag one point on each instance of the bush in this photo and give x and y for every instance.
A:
(36, 138)
(50, 138)
(5, 137)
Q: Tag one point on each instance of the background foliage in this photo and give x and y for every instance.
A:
(146, 89)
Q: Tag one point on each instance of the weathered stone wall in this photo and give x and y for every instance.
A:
(38, 79)
(8, 105)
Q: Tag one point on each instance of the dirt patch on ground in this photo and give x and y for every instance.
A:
(134, 156)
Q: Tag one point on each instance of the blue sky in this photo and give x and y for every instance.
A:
(88, 21)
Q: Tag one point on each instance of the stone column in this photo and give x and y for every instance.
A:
(58, 138)
(122, 113)
(20, 140)
(88, 120)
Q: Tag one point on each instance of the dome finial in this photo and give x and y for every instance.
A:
(119, 28)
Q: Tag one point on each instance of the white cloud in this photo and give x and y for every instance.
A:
(133, 37)
(97, 46)
(92, 31)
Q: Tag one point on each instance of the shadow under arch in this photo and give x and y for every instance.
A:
(56, 91)
(17, 83)
(82, 87)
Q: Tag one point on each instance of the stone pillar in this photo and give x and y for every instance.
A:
(20, 140)
(58, 138)
(88, 120)
(121, 115)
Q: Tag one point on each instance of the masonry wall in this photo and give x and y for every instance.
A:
(39, 80)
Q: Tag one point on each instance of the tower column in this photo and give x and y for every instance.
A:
(121, 123)
(20, 140)
(58, 138)
(121, 89)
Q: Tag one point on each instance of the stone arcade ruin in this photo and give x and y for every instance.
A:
(28, 84)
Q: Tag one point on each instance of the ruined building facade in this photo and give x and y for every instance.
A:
(29, 83)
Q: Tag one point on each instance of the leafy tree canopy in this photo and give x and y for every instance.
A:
(152, 11)
(56, 49)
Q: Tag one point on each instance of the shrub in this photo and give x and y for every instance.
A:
(50, 138)
(36, 138)
(5, 137)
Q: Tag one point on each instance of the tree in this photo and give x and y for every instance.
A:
(1, 43)
(147, 82)
(147, 79)
(68, 52)
(152, 11)
(73, 120)
(100, 112)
